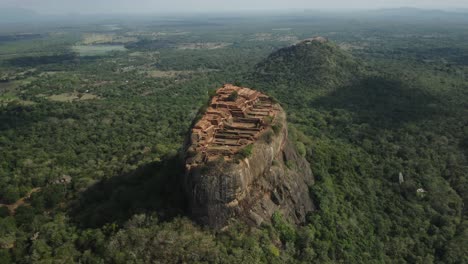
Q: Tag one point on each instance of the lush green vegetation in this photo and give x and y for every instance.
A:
(245, 152)
(100, 136)
(367, 127)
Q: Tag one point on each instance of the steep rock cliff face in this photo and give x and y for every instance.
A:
(274, 177)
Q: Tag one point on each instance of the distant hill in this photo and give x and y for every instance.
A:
(312, 66)
(363, 128)
(415, 14)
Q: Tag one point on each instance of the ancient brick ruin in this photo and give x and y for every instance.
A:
(235, 118)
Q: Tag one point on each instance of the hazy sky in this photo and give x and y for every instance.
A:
(152, 6)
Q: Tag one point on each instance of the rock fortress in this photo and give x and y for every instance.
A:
(240, 164)
(235, 118)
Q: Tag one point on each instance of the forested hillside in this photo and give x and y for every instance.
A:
(388, 150)
(93, 117)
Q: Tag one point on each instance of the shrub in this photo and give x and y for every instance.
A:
(268, 120)
(211, 93)
(268, 136)
(233, 96)
(301, 149)
(286, 230)
(10, 194)
(4, 212)
(290, 164)
(245, 152)
(274, 250)
(277, 128)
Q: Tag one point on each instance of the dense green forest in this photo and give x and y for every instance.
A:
(93, 117)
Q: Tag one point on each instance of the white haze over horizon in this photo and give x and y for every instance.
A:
(187, 6)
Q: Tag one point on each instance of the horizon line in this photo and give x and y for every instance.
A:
(246, 10)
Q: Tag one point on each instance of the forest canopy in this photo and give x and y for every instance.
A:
(90, 141)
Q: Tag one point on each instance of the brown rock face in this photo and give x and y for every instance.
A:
(240, 163)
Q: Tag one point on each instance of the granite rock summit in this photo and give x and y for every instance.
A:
(240, 163)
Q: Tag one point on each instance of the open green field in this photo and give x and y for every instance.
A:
(97, 50)
(70, 97)
(7, 97)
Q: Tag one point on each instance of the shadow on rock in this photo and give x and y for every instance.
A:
(152, 188)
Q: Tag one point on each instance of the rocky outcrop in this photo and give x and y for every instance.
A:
(271, 177)
(314, 39)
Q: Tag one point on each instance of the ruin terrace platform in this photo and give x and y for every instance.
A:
(236, 117)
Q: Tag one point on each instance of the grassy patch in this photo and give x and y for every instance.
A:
(205, 45)
(7, 97)
(7, 86)
(277, 128)
(140, 54)
(10, 97)
(70, 97)
(167, 74)
(95, 38)
(97, 50)
(245, 152)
